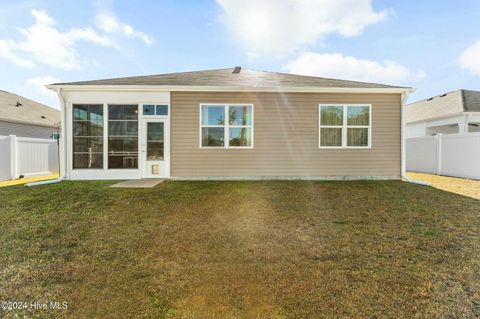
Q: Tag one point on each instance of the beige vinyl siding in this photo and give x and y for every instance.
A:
(285, 137)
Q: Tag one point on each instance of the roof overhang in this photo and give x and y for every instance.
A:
(436, 118)
(27, 122)
(190, 88)
(442, 117)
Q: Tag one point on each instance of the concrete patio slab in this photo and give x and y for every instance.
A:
(139, 183)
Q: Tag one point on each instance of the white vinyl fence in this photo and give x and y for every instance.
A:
(445, 154)
(27, 156)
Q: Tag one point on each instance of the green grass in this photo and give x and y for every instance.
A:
(240, 250)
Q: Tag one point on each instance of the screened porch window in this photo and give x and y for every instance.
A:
(226, 126)
(345, 126)
(87, 136)
(122, 136)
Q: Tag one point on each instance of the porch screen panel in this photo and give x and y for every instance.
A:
(87, 131)
(122, 136)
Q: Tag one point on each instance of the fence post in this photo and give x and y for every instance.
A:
(13, 156)
(439, 153)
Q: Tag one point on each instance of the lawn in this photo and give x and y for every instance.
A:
(240, 250)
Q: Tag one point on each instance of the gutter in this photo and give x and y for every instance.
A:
(404, 98)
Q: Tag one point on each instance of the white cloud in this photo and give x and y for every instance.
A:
(338, 66)
(281, 26)
(44, 43)
(37, 86)
(6, 53)
(110, 24)
(470, 59)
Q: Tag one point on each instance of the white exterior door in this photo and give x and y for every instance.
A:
(155, 148)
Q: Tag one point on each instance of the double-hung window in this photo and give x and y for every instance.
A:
(345, 126)
(226, 125)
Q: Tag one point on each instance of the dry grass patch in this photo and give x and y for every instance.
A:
(462, 186)
(241, 250)
(27, 180)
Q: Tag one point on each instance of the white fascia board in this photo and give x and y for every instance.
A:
(188, 88)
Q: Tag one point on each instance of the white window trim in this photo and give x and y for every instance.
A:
(345, 126)
(226, 126)
(71, 152)
(106, 136)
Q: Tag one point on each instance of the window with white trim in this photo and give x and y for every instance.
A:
(345, 126)
(155, 109)
(226, 125)
(87, 134)
(122, 136)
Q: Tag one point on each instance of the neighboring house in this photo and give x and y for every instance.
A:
(26, 118)
(453, 112)
(231, 124)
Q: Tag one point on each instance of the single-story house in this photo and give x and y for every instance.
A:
(231, 124)
(449, 113)
(26, 118)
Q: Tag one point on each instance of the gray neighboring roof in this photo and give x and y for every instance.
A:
(443, 105)
(471, 101)
(29, 112)
(226, 77)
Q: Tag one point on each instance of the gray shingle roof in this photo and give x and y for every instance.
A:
(27, 111)
(471, 101)
(443, 105)
(225, 77)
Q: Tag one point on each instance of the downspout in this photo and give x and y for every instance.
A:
(62, 161)
(403, 145)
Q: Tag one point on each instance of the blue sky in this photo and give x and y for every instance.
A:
(433, 46)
